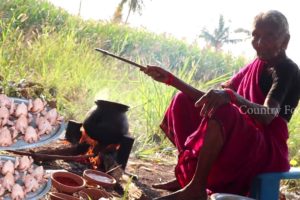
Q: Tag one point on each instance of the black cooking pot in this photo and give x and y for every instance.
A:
(107, 122)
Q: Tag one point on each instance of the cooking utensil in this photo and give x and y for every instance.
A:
(43, 157)
(107, 123)
(95, 177)
(67, 182)
(120, 58)
(225, 196)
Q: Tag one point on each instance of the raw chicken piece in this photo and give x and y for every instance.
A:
(43, 125)
(12, 107)
(17, 192)
(37, 105)
(31, 184)
(8, 181)
(8, 167)
(5, 137)
(5, 101)
(31, 135)
(21, 125)
(2, 190)
(53, 117)
(4, 116)
(21, 110)
(38, 173)
(24, 163)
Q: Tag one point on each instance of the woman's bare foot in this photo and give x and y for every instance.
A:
(172, 185)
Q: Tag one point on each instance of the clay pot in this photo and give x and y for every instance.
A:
(96, 194)
(61, 196)
(67, 182)
(107, 122)
(94, 177)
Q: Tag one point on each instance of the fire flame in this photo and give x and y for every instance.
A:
(94, 160)
(65, 142)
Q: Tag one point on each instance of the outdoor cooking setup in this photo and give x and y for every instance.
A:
(101, 142)
(85, 157)
(105, 129)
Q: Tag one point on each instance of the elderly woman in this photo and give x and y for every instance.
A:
(226, 137)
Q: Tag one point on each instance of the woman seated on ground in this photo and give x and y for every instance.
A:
(226, 137)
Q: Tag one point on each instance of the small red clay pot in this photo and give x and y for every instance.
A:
(99, 178)
(67, 182)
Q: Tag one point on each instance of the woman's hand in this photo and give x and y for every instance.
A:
(157, 73)
(161, 75)
(211, 101)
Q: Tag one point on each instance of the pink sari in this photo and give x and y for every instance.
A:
(249, 148)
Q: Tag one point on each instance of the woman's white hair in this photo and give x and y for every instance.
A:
(274, 18)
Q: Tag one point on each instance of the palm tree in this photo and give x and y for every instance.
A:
(134, 5)
(245, 31)
(79, 9)
(220, 36)
(118, 12)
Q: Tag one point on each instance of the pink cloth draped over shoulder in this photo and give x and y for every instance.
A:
(249, 148)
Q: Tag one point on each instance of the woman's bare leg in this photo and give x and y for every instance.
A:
(196, 189)
(171, 185)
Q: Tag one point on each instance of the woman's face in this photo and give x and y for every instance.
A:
(267, 41)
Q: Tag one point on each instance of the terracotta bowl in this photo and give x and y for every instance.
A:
(61, 196)
(99, 178)
(67, 182)
(94, 193)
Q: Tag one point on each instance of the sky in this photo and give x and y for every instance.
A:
(185, 19)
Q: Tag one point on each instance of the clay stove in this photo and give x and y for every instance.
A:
(104, 130)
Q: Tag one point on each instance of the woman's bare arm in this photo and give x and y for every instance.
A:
(263, 113)
(211, 100)
(187, 89)
(161, 75)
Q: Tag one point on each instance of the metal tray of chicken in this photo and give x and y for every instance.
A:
(42, 191)
(44, 139)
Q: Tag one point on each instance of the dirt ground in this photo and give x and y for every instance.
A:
(138, 179)
(147, 173)
(140, 175)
